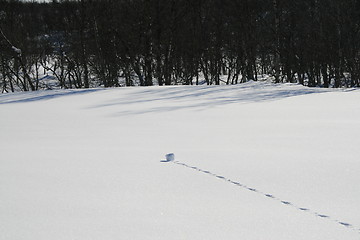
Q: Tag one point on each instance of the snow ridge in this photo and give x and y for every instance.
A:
(270, 196)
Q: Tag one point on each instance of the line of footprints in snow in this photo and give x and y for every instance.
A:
(171, 158)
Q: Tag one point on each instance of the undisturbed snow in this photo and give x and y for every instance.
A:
(86, 164)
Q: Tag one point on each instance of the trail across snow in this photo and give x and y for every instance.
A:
(86, 164)
(268, 195)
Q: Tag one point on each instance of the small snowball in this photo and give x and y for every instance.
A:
(170, 157)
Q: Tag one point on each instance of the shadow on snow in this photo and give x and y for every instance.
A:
(165, 99)
(25, 97)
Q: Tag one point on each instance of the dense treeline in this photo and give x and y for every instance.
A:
(144, 42)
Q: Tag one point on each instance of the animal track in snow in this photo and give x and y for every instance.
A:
(236, 183)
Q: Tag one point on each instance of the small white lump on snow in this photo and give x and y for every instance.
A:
(170, 157)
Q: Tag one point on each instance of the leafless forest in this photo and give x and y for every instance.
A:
(112, 43)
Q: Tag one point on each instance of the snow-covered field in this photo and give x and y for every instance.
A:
(253, 161)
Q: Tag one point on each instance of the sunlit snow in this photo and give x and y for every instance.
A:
(251, 161)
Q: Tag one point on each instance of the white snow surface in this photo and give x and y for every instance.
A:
(89, 164)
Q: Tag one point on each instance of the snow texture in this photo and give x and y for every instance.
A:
(170, 157)
(253, 161)
(16, 50)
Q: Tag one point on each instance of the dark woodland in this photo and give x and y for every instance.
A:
(113, 43)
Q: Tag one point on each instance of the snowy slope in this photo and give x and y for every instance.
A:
(269, 162)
